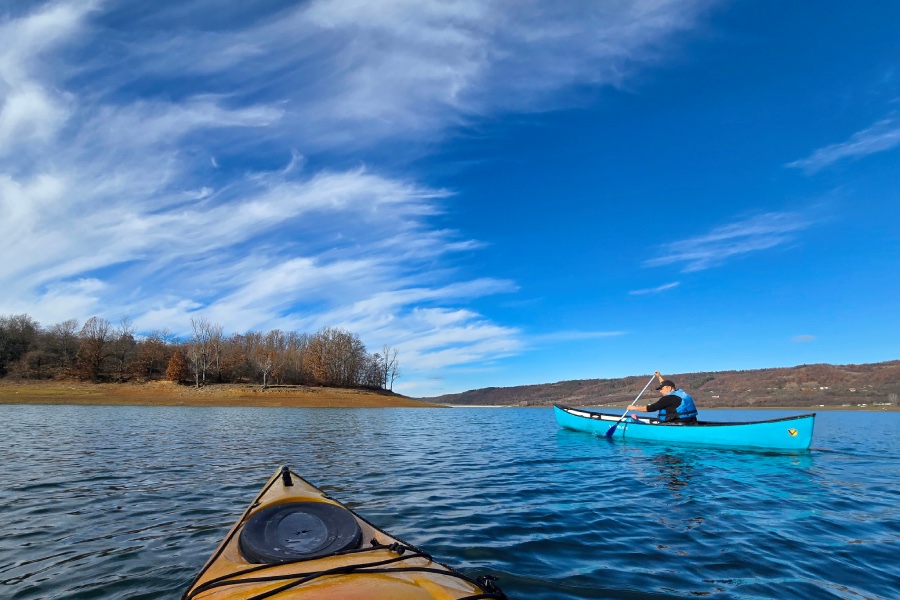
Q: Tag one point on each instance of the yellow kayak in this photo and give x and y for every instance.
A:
(294, 542)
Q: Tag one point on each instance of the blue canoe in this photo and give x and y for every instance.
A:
(789, 433)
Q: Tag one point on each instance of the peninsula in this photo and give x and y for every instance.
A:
(167, 393)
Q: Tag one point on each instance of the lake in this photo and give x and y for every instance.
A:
(129, 502)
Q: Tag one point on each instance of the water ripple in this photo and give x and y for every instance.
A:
(127, 502)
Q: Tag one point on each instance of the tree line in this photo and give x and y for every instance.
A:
(99, 350)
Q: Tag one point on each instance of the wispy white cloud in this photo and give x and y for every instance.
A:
(574, 336)
(804, 338)
(656, 290)
(32, 109)
(880, 137)
(157, 167)
(350, 74)
(753, 234)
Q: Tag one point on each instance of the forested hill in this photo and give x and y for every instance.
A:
(805, 385)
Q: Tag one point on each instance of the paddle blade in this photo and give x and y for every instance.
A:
(612, 430)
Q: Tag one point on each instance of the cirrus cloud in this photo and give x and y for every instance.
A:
(176, 161)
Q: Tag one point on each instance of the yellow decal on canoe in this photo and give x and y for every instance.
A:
(793, 432)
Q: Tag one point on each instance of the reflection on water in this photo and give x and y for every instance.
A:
(675, 471)
(125, 502)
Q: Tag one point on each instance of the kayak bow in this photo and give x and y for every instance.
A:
(296, 543)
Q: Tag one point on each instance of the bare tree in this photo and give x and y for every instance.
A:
(64, 341)
(391, 366)
(264, 362)
(93, 349)
(34, 364)
(386, 367)
(200, 348)
(153, 354)
(216, 342)
(269, 355)
(315, 359)
(296, 346)
(17, 334)
(337, 357)
(123, 347)
(240, 352)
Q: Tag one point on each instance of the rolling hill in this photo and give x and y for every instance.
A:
(800, 386)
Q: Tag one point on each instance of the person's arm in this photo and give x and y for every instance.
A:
(637, 408)
(670, 401)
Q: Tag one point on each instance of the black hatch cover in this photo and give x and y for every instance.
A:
(298, 530)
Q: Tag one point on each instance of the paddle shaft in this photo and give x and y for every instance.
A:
(625, 414)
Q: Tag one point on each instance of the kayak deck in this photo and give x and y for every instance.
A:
(305, 545)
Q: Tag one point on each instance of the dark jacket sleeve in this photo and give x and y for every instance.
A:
(666, 402)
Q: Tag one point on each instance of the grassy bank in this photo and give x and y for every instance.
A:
(165, 393)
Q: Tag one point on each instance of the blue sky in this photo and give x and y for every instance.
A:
(509, 192)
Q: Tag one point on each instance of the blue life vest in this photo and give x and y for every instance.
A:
(685, 410)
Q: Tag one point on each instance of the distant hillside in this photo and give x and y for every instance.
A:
(805, 385)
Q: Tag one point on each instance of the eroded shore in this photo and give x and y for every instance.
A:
(165, 393)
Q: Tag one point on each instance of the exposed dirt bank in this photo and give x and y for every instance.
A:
(165, 393)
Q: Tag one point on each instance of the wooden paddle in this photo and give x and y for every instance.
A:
(612, 430)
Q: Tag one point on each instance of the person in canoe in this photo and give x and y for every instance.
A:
(674, 406)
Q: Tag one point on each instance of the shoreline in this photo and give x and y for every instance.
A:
(166, 393)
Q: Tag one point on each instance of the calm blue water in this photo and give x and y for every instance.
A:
(117, 502)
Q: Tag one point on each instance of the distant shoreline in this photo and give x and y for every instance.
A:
(164, 393)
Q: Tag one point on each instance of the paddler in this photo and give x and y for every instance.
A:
(674, 405)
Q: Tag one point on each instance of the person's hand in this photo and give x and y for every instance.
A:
(634, 416)
(658, 374)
